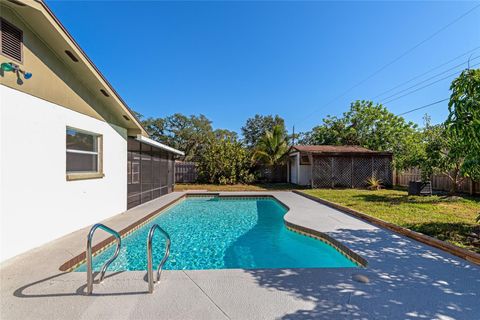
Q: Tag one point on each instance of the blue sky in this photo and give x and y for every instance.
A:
(231, 60)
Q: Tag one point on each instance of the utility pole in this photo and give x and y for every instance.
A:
(293, 135)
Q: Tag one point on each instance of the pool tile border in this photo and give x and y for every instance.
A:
(340, 247)
(75, 262)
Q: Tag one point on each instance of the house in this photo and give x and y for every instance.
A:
(325, 166)
(72, 152)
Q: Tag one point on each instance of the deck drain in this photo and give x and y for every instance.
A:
(360, 278)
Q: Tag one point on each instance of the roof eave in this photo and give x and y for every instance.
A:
(159, 145)
(339, 153)
(82, 53)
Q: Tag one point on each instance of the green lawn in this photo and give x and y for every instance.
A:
(447, 218)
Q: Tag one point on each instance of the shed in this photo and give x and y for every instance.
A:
(326, 166)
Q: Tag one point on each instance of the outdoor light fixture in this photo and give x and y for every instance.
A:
(7, 67)
(26, 75)
(12, 67)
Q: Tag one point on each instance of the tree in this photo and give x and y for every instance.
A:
(225, 134)
(224, 161)
(272, 147)
(464, 119)
(371, 126)
(186, 133)
(443, 153)
(255, 128)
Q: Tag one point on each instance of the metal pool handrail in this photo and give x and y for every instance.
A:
(89, 254)
(150, 258)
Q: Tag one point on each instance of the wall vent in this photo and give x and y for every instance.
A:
(71, 55)
(104, 93)
(11, 39)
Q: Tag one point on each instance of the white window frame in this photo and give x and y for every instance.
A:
(302, 162)
(80, 175)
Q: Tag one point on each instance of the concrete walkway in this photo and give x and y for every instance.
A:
(408, 280)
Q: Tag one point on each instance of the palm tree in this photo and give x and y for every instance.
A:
(272, 147)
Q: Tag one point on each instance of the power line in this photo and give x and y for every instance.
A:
(423, 107)
(430, 78)
(425, 86)
(396, 59)
(426, 72)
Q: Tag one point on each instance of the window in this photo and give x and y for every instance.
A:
(304, 159)
(11, 40)
(84, 154)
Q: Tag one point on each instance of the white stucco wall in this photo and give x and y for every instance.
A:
(305, 175)
(37, 203)
(294, 163)
(300, 174)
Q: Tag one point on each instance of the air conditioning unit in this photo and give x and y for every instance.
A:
(419, 188)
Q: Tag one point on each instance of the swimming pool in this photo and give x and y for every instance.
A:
(224, 233)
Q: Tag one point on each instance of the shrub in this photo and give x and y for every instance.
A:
(374, 183)
(224, 161)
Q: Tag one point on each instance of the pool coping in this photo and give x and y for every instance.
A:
(465, 254)
(321, 236)
(103, 245)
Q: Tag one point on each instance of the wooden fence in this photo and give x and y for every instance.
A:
(185, 172)
(271, 174)
(440, 182)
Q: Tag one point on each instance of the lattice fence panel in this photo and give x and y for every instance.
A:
(342, 172)
(382, 170)
(322, 172)
(362, 171)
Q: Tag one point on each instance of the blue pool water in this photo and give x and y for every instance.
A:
(223, 233)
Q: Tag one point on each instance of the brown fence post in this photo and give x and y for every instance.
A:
(310, 159)
(351, 173)
(331, 173)
(372, 169)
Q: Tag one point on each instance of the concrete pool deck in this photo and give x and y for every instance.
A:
(408, 280)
